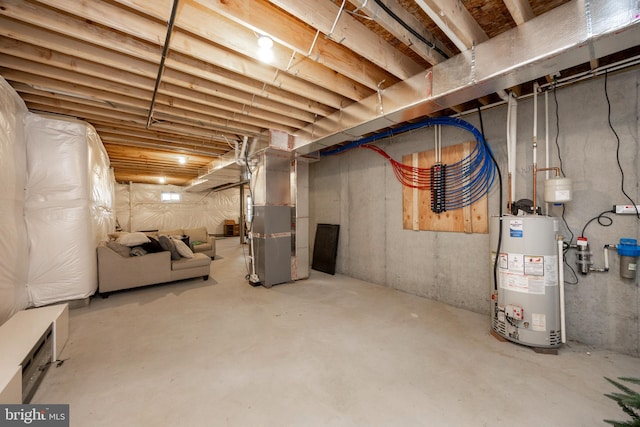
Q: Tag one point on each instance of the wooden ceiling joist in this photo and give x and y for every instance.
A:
(456, 22)
(520, 10)
(337, 25)
(433, 53)
(333, 61)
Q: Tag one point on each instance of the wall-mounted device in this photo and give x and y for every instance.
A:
(629, 252)
(584, 260)
(626, 209)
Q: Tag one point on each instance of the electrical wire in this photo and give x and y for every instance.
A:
(499, 246)
(555, 98)
(564, 219)
(565, 248)
(411, 30)
(565, 245)
(601, 216)
(606, 94)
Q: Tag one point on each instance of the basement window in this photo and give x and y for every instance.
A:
(167, 197)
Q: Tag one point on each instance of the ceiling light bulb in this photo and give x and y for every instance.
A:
(265, 55)
(182, 160)
(161, 179)
(265, 42)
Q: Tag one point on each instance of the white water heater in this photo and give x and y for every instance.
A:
(526, 300)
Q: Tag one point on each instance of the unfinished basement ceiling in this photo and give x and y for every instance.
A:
(159, 88)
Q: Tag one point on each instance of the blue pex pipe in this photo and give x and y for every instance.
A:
(473, 176)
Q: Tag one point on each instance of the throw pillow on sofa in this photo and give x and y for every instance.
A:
(138, 251)
(182, 248)
(167, 245)
(120, 249)
(153, 246)
(133, 239)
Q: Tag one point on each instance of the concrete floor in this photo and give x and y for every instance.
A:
(328, 351)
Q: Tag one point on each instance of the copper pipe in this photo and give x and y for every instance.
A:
(551, 169)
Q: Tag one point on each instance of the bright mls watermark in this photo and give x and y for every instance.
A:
(34, 415)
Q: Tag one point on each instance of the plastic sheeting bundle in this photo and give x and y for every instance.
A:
(69, 208)
(14, 253)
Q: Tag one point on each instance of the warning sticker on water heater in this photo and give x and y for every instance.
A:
(538, 322)
(534, 265)
(527, 273)
(515, 228)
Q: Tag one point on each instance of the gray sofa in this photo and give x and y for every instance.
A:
(116, 272)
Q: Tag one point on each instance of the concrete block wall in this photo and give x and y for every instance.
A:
(359, 191)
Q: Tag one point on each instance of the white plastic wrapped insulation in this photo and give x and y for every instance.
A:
(141, 207)
(69, 207)
(101, 187)
(14, 251)
(123, 213)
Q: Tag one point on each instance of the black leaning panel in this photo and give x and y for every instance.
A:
(325, 248)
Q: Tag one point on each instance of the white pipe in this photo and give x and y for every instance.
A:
(546, 142)
(563, 331)
(239, 156)
(509, 154)
(535, 145)
(513, 140)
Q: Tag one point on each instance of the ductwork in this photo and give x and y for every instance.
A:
(571, 34)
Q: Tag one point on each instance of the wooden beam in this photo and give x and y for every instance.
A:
(217, 140)
(82, 30)
(520, 10)
(230, 36)
(169, 158)
(455, 21)
(348, 31)
(227, 84)
(236, 87)
(110, 99)
(176, 98)
(386, 21)
(258, 17)
(128, 141)
(83, 110)
(219, 143)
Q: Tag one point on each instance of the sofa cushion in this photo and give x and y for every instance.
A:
(138, 251)
(198, 260)
(167, 245)
(176, 232)
(182, 248)
(197, 234)
(202, 247)
(120, 249)
(116, 234)
(152, 246)
(133, 239)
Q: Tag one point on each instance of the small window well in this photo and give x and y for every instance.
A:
(170, 197)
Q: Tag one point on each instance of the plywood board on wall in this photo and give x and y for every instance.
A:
(416, 204)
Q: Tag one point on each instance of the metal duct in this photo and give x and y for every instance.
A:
(571, 34)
